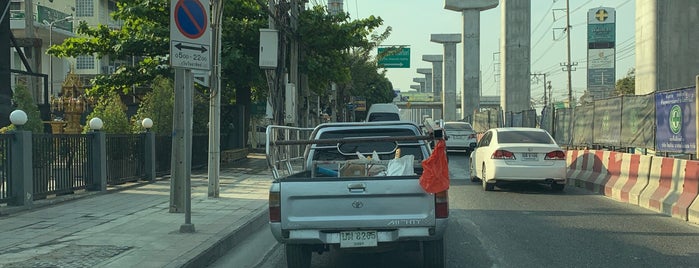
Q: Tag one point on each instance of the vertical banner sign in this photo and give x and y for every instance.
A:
(638, 119)
(601, 52)
(607, 123)
(583, 124)
(676, 122)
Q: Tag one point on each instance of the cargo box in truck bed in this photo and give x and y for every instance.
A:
(337, 194)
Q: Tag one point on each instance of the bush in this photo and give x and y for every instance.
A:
(158, 106)
(112, 112)
(24, 101)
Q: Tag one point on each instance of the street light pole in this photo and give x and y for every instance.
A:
(50, 45)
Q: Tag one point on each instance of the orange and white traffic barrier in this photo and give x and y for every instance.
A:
(598, 175)
(574, 164)
(693, 212)
(582, 167)
(672, 186)
(631, 179)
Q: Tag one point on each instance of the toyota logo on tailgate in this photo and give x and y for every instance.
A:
(357, 204)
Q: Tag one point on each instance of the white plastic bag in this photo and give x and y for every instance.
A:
(401, 166)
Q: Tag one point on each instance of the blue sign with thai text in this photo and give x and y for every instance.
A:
(675, 121)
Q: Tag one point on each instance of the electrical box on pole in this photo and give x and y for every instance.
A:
(269, 48)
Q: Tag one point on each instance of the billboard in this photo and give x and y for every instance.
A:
(675, 121)
(601, 52)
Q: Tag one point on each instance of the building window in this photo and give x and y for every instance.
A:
(84, 8)
(85, 62)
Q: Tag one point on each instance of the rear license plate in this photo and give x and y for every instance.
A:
(353, 239)
(529, 156)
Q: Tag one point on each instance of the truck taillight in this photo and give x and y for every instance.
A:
(441, 205)
(275, 212)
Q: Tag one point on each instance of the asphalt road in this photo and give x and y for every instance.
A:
(523, 226)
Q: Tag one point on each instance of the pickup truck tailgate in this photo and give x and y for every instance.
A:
(374, 202)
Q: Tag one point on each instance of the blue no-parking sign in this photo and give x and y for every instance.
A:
(190, 34)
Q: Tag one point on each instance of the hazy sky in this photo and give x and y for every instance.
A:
(413, 21)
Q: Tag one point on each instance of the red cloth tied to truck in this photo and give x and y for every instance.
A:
(435, 170)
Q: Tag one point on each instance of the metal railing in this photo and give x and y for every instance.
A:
(125, 158)
(163, 154)
(5, 157)
(60, 164)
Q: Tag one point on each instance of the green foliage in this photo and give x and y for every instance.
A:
(326, 40)
(158, 106)
(111, 110)
(200, 124)
(626, 85)
(25, 102)
(145, 34)
(242, 20)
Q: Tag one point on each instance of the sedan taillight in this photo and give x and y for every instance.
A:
(503, 154)
(555, 155)
(275, 211)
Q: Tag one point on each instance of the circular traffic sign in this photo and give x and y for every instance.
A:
(190, 18)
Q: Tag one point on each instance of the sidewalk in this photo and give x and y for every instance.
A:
(132, 226)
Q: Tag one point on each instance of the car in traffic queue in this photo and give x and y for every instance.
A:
(518, 154)
(383, 112)
(461, 136)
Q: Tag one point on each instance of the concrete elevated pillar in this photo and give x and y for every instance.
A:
(437, 74)
(428, 87)
(428, 78)
(449, 90)
(471, 12)
(421, 81)
(515, 49)
(666, 44)
(414, 114)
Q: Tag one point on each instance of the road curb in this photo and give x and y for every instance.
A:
(229, 239)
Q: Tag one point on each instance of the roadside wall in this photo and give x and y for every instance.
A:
(666, 185)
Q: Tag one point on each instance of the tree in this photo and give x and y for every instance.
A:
(22, 98)
(110, 109)
(326, 59)
(158, 106)
(143, 35)
(240, 49)
(626, 85)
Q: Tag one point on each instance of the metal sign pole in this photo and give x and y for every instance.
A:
(187, 227)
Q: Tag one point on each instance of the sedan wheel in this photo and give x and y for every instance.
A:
(472, 171)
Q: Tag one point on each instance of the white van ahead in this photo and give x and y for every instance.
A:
(383, 112)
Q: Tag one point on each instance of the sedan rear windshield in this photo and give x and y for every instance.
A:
(458, 127)
(524, 137)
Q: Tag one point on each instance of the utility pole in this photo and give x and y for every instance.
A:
(537, 77)
(569, 66)
(215, 101)
(294, 61)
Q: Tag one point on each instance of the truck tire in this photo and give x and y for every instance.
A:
(433, 254)
(298, 256)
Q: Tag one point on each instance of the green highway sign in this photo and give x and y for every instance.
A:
(400, 59)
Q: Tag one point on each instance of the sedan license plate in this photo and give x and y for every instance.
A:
(529, 156)
(353, 239)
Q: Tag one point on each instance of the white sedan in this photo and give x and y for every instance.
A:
(517, 154)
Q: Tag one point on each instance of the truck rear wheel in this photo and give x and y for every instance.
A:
(433, 254)
(298, 256)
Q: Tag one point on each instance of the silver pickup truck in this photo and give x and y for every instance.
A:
(324, 197)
